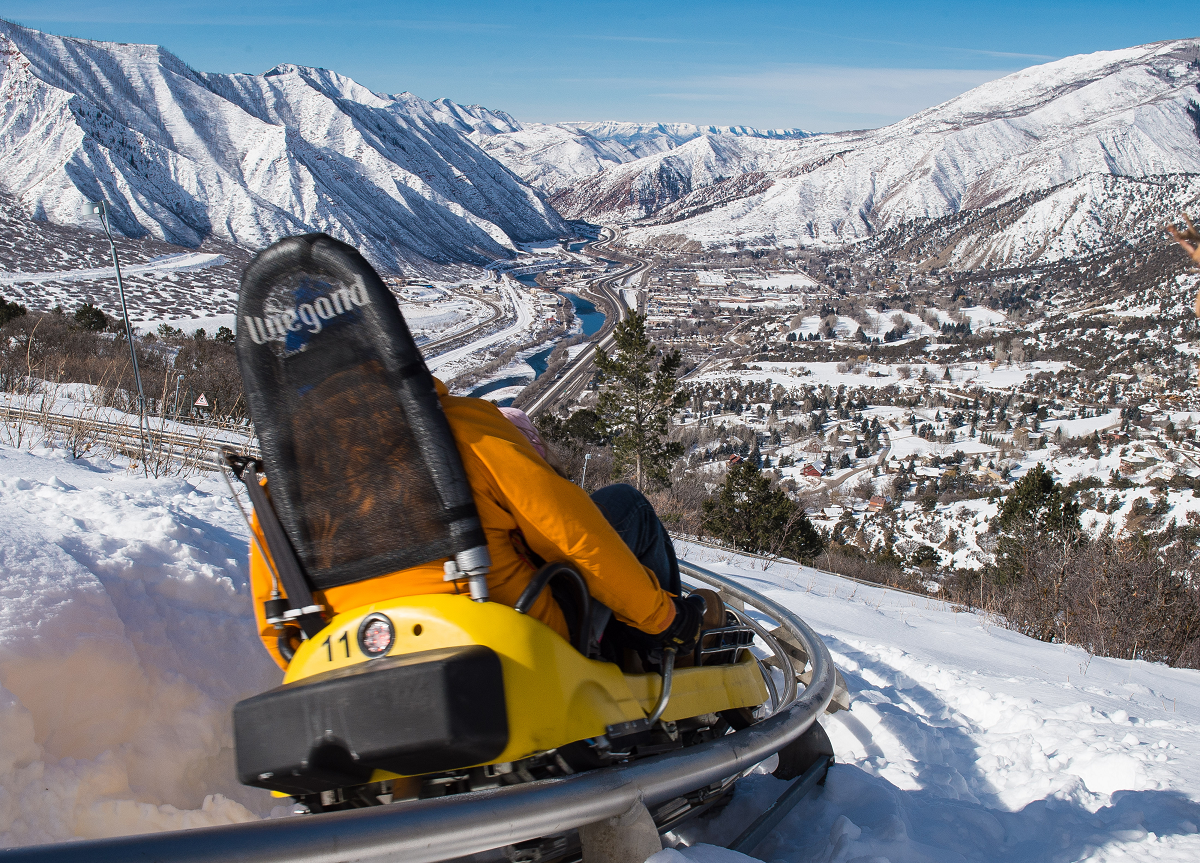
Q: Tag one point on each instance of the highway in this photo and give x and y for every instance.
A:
(524, 317)
(546, 394)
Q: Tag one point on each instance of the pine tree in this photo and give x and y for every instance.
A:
(10, 311)
(1036, 506)
(749, 514)
(91, 318)
(637, 400)
(1037, 501)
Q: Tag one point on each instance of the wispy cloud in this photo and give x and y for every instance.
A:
(653, 39)
(817, 97)
(951, 49)
(201, 17)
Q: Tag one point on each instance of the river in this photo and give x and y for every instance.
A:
(590, 318)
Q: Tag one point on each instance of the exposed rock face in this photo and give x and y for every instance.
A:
(183, 155)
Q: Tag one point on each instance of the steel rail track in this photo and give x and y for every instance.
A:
(785, 561)
(427, 831)
(195, 449)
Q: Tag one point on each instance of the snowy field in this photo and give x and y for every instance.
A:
(969, 742)
(124, 641)
(181, 263)
(524, 309)
(126, 637)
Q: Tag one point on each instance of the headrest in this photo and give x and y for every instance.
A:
(364, 471)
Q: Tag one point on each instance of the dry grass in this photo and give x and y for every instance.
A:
(64, 386)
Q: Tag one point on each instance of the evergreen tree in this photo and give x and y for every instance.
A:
(1036, 506)
(747, 513)
(91, 318)
(1038, 502)
(10, 311)
(637, 400)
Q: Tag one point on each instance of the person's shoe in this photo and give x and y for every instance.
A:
(714, 617)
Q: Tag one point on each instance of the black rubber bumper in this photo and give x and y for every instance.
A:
(420, 713)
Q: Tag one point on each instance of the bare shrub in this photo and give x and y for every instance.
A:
(864, 489)
(52, 348)
(1111, 596)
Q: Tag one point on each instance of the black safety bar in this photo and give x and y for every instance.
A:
(307, 614)
(541, 578)
(725, 639)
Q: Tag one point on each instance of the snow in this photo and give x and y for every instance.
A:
(184, 262)
(526, 315)
(1002, 377)
(1102, 144)
(966, 741)
(209, 323)
(126, 636)
(551, 157)
(783, 283)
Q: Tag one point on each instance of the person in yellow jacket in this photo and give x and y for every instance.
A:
(529, 512)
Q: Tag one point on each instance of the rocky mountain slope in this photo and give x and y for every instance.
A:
(552, 157)
(1076, 153)
(184, 156)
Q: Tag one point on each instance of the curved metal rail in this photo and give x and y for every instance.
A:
(426, 831)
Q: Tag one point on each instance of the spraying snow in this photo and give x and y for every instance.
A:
(125, 637)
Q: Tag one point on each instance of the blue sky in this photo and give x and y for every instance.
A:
(820, 66)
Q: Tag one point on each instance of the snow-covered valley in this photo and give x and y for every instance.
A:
(126, 635)
(897, 324)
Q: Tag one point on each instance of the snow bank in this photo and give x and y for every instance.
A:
(125, 638)
(966, 741)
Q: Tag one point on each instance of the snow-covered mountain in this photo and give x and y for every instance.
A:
(183, 155)
(1073, 147)
(552, 157)
(1053, 161)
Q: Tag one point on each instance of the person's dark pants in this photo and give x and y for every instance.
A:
(636, 522)
(634, 519)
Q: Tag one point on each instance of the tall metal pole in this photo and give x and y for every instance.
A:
(102, 212)
(178, 381)
(583, 480)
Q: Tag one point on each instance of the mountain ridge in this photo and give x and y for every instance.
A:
(553, 156)
(182, 155)
(430, 187)
(1130, 113)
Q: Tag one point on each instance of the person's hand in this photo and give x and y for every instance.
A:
(684, 630)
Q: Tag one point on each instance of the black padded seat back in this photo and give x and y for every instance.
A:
(364, 472)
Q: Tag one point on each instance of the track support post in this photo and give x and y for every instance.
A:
(628, 838)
